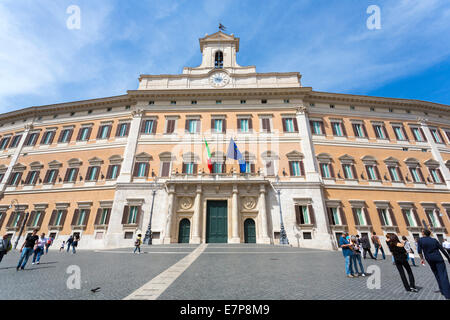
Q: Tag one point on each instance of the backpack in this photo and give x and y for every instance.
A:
(137, 242)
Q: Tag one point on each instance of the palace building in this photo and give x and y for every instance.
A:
(322, 163)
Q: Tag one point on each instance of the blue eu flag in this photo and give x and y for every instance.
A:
(234, 153)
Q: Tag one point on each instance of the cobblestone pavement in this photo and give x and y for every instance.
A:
(222, 271)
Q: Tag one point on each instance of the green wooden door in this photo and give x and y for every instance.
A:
(185, 231)
(249, 231)
(216, 222)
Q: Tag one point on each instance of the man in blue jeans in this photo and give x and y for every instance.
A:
(377, 243)
(347, 252)
(27, 249)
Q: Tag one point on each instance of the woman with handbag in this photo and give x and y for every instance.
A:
(400, 258)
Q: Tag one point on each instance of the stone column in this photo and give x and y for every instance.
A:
(130, 148)
(197, 221)
(263, 214)
(235, 216)
(435, 151)
(170, 214)
(307, 147)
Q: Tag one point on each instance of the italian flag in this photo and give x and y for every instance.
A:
(209, 156)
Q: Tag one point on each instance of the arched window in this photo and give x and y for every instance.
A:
(218, 61)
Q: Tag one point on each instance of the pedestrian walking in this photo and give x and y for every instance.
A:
(63, 244)
(365, 244)
(387, 242)
(5, 246)
(377, 243)
(39, 248)
(430, 247)
(347, 252)
(356, 257)
(27, 249)
(48, 244)
(69, 242)
(409, 250)
(137, 244)
(75, 241)
(446, 245)
(400, 257)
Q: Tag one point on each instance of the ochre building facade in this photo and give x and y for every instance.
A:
(322, 163)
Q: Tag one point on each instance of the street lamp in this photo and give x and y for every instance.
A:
(148, 234)
(277, 187)
(23, 223)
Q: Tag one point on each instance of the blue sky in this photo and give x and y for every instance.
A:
(328, 42)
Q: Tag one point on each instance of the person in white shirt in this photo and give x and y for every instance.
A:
(39, 248)
(446, 245)
(409, 250)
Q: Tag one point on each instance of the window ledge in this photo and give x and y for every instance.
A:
(12, 228)
(306, 226)
(55, 227)
(390, 228)
(78, 227)
(100, 226)
(438, 229)
(28, 228)
(130, 225)
(364, 228)
(339, 227)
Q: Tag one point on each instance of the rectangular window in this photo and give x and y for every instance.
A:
(84, 134)
(142, 169)
(59, 216)
(15, 178)
(104, 216)
(170, 126)
(71, 176)
(394, 173)
(132, 216)
(410, 218)
(265, 125)
(243, 125)
(290, 125)
(189, 168)
(372, 175)
(33, 175)
(360, 215)
(104, 132)
(165, 169)
(217, 167)
(348, 172)
(295, 167)
(337, 129)
(36, 217)
(415, 174)
(93, 173)
(16, 219)
(15, 141)
(31, 141)
(47, 139)
(302, 215)
(218, 125)
(359, 132)
(4, 143)
(385, 216)
(317, 127)
(436, 174)
(436, 135)
(65, 135)
(399, 133)
(417, 134)
(122, 130)
(325, 170)
(379, 132)
(193, 126)
(81, 217)
(113, 171)
(336, 217)
(432, 218)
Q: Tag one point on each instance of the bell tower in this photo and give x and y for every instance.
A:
(219, 51)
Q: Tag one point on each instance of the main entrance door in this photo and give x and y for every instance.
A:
(216, 221)
(185, 231)
(249, 231)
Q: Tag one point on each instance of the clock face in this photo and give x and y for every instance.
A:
(219, 79)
